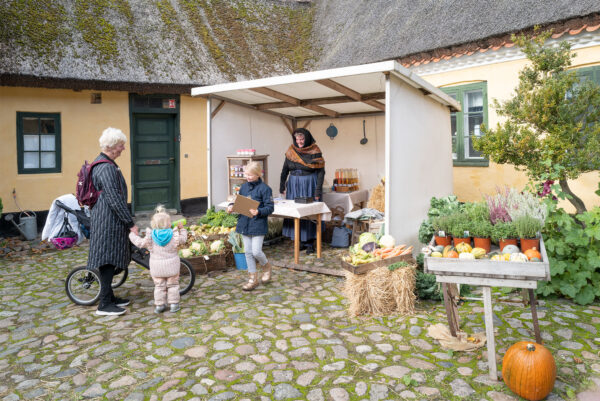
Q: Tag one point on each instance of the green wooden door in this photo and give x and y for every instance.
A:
(154, 161)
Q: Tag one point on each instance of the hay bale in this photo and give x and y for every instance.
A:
(381, 292)
(377, 198)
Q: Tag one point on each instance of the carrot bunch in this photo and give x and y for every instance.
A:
(391, 252)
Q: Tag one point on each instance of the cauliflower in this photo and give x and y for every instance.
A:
(185, 253)
(199, 248)
(216, 246)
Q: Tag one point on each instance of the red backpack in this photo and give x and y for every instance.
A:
(86, 193)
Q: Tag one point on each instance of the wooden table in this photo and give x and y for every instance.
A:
(287, 208)
(487, 274)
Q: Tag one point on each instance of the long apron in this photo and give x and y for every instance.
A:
(298, 186)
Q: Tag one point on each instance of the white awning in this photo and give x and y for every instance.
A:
(340, 92)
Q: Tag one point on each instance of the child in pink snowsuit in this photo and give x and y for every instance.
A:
(162, 241)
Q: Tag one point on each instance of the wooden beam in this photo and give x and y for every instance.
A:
(296, 102)
(342, 115)
(357, 97)
(219, 107)
(287, 125)
(340, 88)
(322, 100)
(277, 95)
(249, 106)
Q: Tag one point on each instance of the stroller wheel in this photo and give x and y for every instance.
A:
(119, 277)
(83, 286)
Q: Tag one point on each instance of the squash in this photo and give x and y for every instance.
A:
(439, 248)
(478, 253)
(447, 248)
(452, 254)
(506, 257)
(466, 255)
(535, 260)
(497, 258)
(463, 247)
(533, 253)
(511, 249)
(518, 257)
(436, 254)
(529, 370)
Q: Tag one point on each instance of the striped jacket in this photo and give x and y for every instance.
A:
(111, 218)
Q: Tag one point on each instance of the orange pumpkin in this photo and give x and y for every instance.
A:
(452, 254)
(528, 369)
(533, 253)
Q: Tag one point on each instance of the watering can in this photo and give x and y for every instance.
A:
(27, 224)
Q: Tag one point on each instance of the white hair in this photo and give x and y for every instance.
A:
(111, 137)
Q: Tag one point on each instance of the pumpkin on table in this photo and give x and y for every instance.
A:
(528, 369)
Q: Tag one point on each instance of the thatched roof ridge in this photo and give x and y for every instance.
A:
(362, 31)
(181, 42)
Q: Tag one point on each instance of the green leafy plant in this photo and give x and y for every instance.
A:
(409, 381)
(398, 265)
(438, 207)
(480, 228)
(236, 241)
(573, 247)
(503, 230)
(458, 225)
(552, 119)
(441, 223)
(426, 287)
(527, 226)
(476, 211)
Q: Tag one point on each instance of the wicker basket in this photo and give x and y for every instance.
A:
(209, 263)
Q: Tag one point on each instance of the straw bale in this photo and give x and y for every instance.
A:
(377, 198)
(381, 292)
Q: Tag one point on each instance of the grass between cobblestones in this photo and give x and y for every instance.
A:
(290, 339)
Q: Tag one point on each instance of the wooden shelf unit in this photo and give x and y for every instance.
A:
(240, 162)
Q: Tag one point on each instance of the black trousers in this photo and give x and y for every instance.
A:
(106, 293)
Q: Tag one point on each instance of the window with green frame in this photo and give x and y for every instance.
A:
(38, 143)
(591, 73)
(466, 124)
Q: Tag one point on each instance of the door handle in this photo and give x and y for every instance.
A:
(171, 159)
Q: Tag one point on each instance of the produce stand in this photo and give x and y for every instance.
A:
(487, 274)
(209, 263)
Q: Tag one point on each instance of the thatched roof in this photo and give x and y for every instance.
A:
(173, 45)
(360, 31)
(169, 42)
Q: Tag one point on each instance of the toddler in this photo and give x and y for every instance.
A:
(162, 241)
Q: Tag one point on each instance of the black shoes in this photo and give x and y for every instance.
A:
(110, 310)
(121, 301)
(310, 248)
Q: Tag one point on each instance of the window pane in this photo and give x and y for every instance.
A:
(31, 160)
(30, 125)
(47, 142)
(31, 142)
(474, 121)
(47, 125)
(470, 152)
(48, 160)
(474, 101)
(453, 130)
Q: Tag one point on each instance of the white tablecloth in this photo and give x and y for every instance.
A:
(346, 200)
(289, 208)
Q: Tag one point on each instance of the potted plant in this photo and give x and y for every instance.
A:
(441, 226)
(504, 233)
(528, 228)
(481, 230)
(458, 227)
(237, 247)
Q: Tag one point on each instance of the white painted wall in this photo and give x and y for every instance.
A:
(420, 158)
(236, 127)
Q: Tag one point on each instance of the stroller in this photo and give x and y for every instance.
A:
(83, 284)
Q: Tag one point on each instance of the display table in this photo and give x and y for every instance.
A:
(290, 209)
(487, 274)
(347, 200)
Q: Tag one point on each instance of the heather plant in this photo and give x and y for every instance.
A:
(527, 226)
(500, 204)
(527, 204)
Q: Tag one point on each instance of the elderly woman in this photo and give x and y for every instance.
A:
(305, 166)
(110, 221)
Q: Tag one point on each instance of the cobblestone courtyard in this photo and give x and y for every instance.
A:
(290, 339)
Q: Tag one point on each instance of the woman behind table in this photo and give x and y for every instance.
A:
(110, 221)
(302, 176)
(162, 242)
(254, 229)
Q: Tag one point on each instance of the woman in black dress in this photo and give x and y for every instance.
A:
(302, 176)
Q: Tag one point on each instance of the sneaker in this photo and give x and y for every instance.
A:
(174, 308)
(121, 301)
(160, 308)
(110, 310)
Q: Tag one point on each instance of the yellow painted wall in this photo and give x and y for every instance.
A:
(470, 183)
(193, 179)
(82, 124)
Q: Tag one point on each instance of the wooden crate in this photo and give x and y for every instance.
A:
(208, 263)
(487, 272)
(362, 269)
